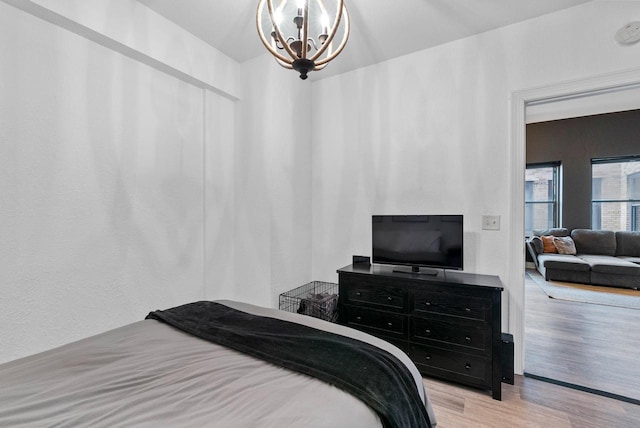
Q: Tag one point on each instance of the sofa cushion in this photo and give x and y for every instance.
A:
(563, 261)
(564, 245)
(536, 243)
(554, 231)
(631, 259)
(609, 264)
(598, 242)
(628, 244)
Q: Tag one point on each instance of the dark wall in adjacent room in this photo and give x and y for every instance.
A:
(575, 142)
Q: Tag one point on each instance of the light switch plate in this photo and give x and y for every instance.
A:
(491, 222)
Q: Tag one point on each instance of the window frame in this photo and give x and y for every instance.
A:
(555, 201)
(596, 209)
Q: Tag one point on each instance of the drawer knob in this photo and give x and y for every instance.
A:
(390, 298)
(358, 294)
(359, 318)
(427, 357)
(427, 303)
(390, 324)
(427, 331)
(468, 339)
(467, 310)
(467, 366)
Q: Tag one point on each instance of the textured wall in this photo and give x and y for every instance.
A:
(100, 187)
(125, 189)
(219, 183)
(272, 183)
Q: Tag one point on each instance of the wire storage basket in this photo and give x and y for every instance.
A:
(317, 299)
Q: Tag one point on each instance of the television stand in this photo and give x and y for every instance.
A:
(449, 325)
(417, 271)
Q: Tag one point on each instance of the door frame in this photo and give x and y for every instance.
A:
(519, 100)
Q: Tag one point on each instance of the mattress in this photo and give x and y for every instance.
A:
(150, 374)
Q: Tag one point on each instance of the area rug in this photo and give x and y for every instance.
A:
(609, 296)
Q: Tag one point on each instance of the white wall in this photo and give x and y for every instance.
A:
(100, 166)
(273, 183)
(219, 185)
(131, 28)
(429, 133)
(132, 178)
(101, 186)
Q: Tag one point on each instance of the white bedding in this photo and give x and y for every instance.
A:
(150, 374)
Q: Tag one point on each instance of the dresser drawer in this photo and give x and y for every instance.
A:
(377, 322)
(455, 366)
(435, 302)
(470, 336)
(389, 297)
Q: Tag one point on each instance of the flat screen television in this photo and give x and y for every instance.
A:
(429, 241)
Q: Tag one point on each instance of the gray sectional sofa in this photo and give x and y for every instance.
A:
(602, 257)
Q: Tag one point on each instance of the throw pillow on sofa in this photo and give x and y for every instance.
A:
(547, 244)
(565, 245)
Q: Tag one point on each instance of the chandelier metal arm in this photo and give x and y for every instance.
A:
(286, 65)
(276, 28)
(340, 10)
(264, 40)
(305, 30)
(343, 43)
(312, 43)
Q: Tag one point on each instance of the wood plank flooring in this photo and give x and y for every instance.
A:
(528, 403)
(594, 346)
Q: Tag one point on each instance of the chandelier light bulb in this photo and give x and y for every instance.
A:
(277, 17)
(324, 20)
(303, 35)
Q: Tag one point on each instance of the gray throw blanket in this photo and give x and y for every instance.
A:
(371, 374)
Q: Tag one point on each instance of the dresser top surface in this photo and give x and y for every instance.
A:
(442, 276)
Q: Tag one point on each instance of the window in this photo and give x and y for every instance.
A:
(542, 193)
(615, 195)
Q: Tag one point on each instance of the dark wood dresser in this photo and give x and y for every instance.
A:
(449, 324)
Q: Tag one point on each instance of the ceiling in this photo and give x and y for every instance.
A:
(380, 29)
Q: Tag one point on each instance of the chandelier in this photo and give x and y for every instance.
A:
(293, 21)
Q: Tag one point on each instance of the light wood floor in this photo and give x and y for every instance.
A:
(528, 403)
(594, 346)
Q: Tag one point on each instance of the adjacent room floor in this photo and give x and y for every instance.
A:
(529, 403)
(589, 345)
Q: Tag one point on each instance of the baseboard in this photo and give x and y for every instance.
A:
(583, 388)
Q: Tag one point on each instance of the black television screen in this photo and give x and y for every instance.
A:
(433, 241)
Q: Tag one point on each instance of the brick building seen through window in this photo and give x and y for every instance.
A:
(542, 196)
(615, 193)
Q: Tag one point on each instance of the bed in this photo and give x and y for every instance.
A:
(150, 373)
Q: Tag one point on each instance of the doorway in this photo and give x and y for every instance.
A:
(596, 93)
(521, 102)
